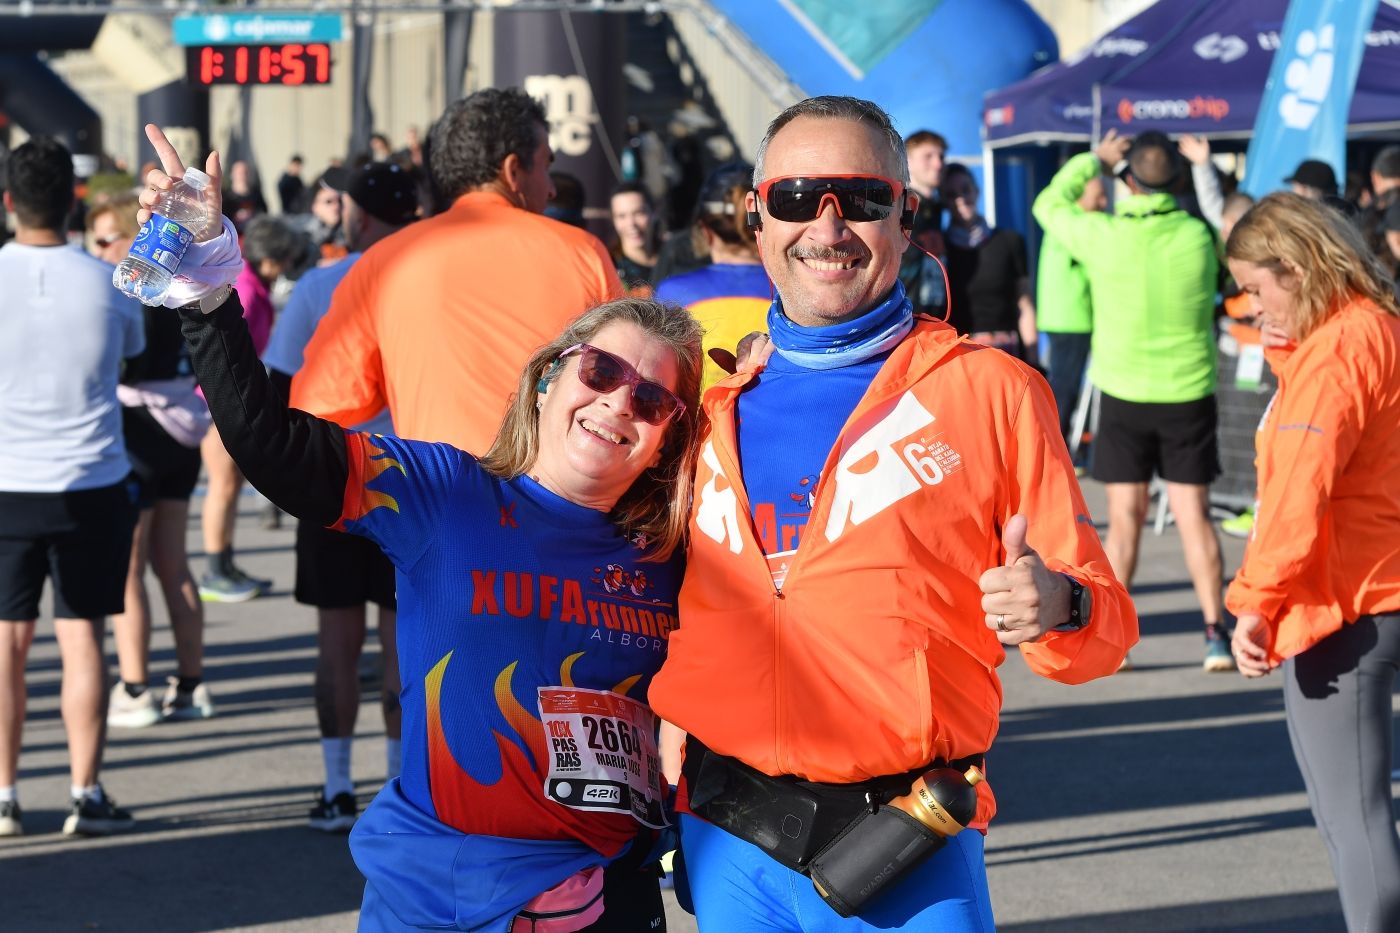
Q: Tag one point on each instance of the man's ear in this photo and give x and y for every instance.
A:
(911, 207)
(9, 203)
(751, 214)
(511, 172)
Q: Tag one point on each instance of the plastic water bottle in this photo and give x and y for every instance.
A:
(180, 215)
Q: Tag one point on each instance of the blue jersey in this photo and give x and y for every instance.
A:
(509, 597)
(787, 424)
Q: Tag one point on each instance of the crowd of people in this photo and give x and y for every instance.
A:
(572, 480)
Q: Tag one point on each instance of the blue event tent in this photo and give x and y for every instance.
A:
(1182, 66)
(927, 62)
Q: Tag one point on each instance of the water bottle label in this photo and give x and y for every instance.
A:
(162, 242)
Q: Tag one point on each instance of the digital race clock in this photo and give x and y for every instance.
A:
(292, 64)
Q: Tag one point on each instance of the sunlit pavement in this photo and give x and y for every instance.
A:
(1161, 799)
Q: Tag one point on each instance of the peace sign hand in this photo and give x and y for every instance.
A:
(158, 182)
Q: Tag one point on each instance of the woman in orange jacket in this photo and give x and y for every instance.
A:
(1319, 591)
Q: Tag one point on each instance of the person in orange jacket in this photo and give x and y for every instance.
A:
(1319, 590)
(880, 510)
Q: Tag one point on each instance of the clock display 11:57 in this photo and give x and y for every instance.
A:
(291, 64)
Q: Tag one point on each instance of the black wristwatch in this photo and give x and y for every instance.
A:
(1081, 606)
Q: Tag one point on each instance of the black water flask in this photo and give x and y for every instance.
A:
(876, 850)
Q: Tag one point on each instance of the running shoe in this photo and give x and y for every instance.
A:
(333, 816)
(1218, 656)
(263, 584)
(97, 818)
(196, 704)
(9, 818)
(1240, 526)
(217, 588)
(131, 712)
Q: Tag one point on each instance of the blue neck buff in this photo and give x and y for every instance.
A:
(845, 344)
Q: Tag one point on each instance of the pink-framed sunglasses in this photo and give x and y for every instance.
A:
(602, 372)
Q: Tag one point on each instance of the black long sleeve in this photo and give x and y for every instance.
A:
(297, 460)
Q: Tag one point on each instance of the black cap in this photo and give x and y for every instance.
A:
(1315, 174)
(382, 189)
(335, 178)
(714, 192)
(1157, 171)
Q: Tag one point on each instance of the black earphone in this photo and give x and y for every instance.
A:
(906, 218)
(548, 374)
(752, 218)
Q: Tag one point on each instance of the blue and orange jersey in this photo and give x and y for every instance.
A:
(730, 300)
(508, 597)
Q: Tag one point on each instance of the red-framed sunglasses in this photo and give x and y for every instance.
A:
(858, 198)
(602, 372)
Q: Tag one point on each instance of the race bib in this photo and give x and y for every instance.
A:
(602, 753)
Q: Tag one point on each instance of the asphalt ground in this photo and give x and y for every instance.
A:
(1161, 799)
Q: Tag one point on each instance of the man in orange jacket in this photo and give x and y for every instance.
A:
(436, 321)
(879, 511)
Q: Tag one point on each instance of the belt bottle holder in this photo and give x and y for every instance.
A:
(877, 849)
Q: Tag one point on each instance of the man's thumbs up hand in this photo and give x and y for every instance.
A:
(1022, 599)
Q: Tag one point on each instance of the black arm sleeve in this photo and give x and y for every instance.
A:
(281, 384)
(297, 460)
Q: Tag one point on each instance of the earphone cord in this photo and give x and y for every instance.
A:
(947, 287)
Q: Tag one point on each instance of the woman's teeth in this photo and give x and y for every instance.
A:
(599, 431)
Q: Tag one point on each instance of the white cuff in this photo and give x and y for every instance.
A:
(205, 268)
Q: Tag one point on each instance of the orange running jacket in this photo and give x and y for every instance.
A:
(875, 658)
(1325, 548)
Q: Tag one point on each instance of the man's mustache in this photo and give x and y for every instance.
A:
(822, 254)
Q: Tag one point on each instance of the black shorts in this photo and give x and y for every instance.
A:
(1175, 440)
(81, 539)
(162, 467)
(336, 570)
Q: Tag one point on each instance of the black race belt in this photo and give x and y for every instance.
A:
(788, 818)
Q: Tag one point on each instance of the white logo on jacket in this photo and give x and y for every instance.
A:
(718, 512)
(885, 465)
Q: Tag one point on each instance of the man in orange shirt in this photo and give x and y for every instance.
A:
(436, 321)
(879, 512)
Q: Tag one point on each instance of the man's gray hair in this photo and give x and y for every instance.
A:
(838, 108)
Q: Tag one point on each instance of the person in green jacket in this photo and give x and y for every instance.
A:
(1065, 312)
(1152, 272)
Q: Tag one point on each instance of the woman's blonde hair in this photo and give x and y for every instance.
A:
(1293, 236)
(123, 207)
(657, 504)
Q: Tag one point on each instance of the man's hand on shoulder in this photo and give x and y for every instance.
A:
(1023, 599)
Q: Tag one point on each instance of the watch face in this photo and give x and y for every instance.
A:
(1084, 602)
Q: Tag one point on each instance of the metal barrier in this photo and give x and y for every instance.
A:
(1243, 394)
